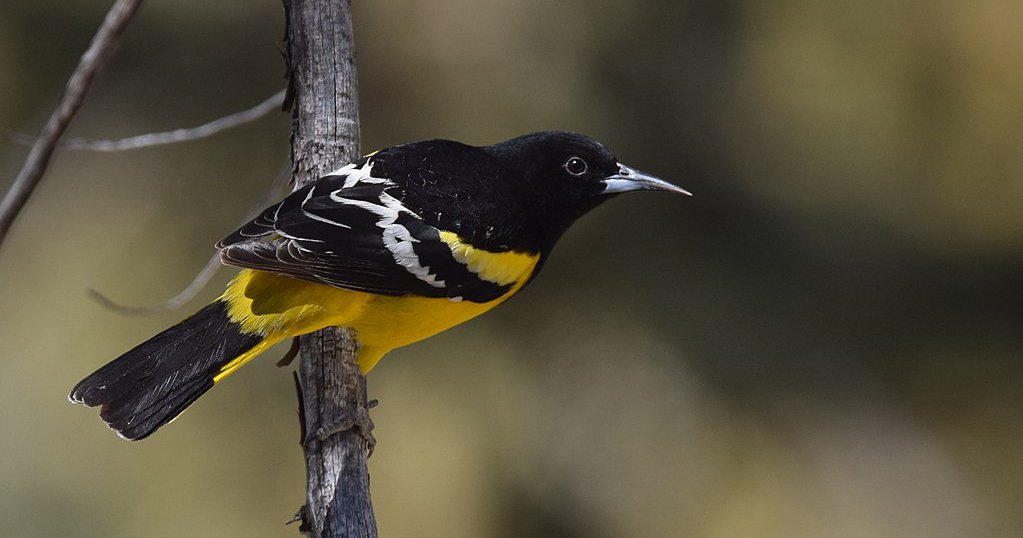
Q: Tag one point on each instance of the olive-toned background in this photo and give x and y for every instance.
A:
(823, 341)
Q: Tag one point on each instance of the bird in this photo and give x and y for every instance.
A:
(399, 245)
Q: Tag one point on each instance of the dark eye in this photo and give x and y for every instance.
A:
(576, 166)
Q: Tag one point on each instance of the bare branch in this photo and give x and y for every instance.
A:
(187, 294)
(325, 134)
(89, 66)
(186, 134)
(204, 275)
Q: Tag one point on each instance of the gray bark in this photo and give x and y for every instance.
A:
(325, 135)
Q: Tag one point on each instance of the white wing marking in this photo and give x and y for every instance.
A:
(355, 175)
(397, 238)
(316, 217)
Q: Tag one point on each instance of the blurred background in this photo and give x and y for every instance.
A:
(823, 341)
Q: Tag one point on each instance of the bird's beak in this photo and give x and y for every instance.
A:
(628, 179)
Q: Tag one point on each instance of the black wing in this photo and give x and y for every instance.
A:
(349, 231)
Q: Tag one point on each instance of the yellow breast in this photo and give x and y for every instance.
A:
(498, 267)
(279, 306)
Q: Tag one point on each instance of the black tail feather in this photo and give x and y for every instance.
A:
(154, 382)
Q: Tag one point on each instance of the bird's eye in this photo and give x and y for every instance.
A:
(576, 166)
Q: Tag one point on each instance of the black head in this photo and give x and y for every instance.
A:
(568, 174)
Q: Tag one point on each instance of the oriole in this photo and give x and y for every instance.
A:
(399, 245)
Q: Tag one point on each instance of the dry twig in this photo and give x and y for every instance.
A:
(204, 275)
(185, 295)
(186, 134)
(325, 134)
(91, 64)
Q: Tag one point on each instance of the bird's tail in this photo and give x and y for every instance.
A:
(150, 385)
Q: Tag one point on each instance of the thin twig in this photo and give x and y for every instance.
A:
(89, 66)
(204, 275)
(198, 283)
(186, 134)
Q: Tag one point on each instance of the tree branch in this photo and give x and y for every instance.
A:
(203, 276)
(186, 134)
(89, 66)
(198, 283)
(325, 135)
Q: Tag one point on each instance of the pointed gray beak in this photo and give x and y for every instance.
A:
(628, 179)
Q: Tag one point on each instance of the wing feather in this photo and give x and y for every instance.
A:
(354, 234)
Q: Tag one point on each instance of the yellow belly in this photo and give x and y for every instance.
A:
(279, 307)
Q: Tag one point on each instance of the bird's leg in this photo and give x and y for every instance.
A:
(290, 355)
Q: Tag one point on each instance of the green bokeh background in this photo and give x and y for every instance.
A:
(824, 341)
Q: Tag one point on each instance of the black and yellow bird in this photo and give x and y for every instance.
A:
(399, 245)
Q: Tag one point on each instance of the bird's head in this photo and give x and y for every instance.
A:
(568, 174)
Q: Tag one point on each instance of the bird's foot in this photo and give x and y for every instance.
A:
(361, 425)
